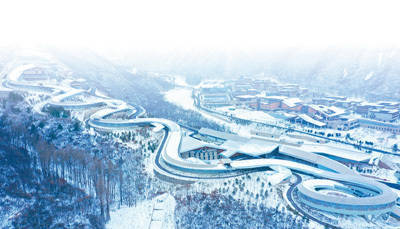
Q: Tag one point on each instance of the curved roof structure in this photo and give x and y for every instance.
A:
(372, 197)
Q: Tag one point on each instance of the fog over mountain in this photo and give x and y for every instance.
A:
(352, 71)
(372, 73)
(199, 114)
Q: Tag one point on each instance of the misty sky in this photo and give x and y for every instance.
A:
(170, 25)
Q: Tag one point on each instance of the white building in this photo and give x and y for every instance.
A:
(384, 115)
(343, 123)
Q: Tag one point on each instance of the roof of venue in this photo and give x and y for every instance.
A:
(222, 135)
(311, 120)
(258, 116)
(246, 96)
(330, 111)
(274, 97)
(253, 147)
(292, 102)
(281, 115)
(189, 143)
(385, 111)
(378, 123)
(339, 152)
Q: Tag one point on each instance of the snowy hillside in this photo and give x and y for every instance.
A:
(373, 73)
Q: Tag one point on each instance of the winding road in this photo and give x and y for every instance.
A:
(373, 198)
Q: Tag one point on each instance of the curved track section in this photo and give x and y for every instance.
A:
(359, 195)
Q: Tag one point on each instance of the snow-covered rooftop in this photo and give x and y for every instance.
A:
(337, 152)
(253, 147)
(258, 116)
(222, 135)
(273, 97)
(330, 111)
(246, 96)
(16, 73)
(311, 120)
(189, 143)
(385, 111)
(292, 102)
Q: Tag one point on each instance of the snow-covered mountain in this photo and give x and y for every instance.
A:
(374, 74)
(367, 72)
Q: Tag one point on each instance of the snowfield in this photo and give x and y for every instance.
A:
(181, 97)
(153, 214)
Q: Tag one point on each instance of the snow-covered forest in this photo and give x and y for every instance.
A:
(79, 177)
(98, 168)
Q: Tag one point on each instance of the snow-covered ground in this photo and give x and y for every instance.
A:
(258, 116)
(261, 188)
(152, 214)
(14, 75)
(381, 139)
(181, 97)
(267, 188)
(180, 80)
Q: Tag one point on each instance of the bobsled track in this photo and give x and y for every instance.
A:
(356, 195)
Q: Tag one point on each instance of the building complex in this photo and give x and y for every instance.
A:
(298, 105)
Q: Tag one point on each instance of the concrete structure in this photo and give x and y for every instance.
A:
(350, 197)
(79, 84)
(321, 112)
(338, 101)
(35, 73)
(385, 115)
(214, 96)
(379, 125)
(306, 120)
(233, 147)
(344, 104)
(292, 104)
(323, 101)
(270, 103)
(336, 97)
(364, 108)
(193, 148)
(289, 90)
(358, 195)
(343, 123)
(250, 101)
(389, 104)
